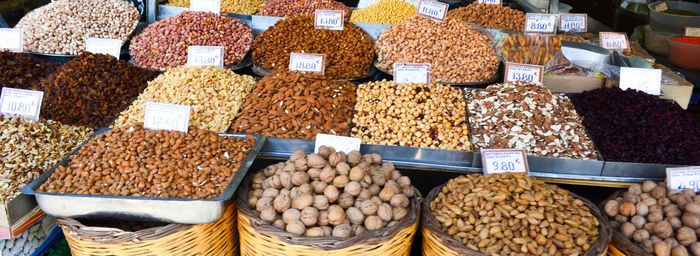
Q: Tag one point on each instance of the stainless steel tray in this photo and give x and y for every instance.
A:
(174, 210)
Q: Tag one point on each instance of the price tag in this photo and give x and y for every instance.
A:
(523, 72)
(205, 56)
(683, 177)
(614, 41)
(104, 46)
(504, 160)
(663, 6)
(329, 19)
(308, 62)
(432, 10)
(692, 31)
(540, 23)
(164, 116)
(412, 2)
(417, 73)
(206, 6)
(19, 102)
(641, 79)
(339, 143)
(11, 39)
(498, 2)
(573, 22)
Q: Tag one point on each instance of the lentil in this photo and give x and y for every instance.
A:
(22, 70)
(290, 8)
(532, 49)
(492, 16)
(290, 104)
(384, 11)
(411, 115)
(231, 6)
(214, 94)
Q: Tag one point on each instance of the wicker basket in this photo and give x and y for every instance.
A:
(438, 243)
(620, 242)
(218, 238)
(260, 238)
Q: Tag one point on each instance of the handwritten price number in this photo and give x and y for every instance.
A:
(613, 41)
(306, 62)
(505, 166)
(692, 184)
(430, 10)
(614, 45)
(433, 10)
(167, 120)
(540, 26)
(19, 102)
(540, 23)
(524, 77)
(328, 21)
(307, 65)
(490, 1)
(19, 106)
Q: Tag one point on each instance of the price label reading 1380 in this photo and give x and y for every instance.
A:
(307, 62)
(503, 161)
(432, 10)
(540, 23)
(523, 72)
(329, 19)
(19, 102)
(683, 177)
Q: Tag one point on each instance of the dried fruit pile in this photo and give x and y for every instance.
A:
(22, 70)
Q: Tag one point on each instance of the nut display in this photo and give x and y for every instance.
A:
(30, 148)
(164, 44)
(132, 161)
(231, 6)
(289, 8)
(532, 49)
(331, 194)
(290, 104)
(457, 52)
(530, 117)
(511, 214)
(411, 115)
(618, 120)
(492, 16)
(22, 70)
(384, 11)
(349, 52)
(91, 90)
(659, 221)
(214, 95)
(63, 26)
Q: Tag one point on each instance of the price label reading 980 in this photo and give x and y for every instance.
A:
(307, 62)
(163, 116)
(329, 19)
(540, 23)
(19, 102)
(614, 41)
(523, 72)
(683, 177)
(432, 10)
(503, 161)
(573, 22)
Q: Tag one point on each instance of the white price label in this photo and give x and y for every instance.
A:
(308, 62)
(432, 10)
(339, 143)
(329, 19)
(417, 73)
(206, 6)
(164, 116)
(104, 46)
(498, 2)
(205, 56)
(641, 79)
(573, 22)
(19, 102)
(614, 41)
(11, 39)
(683, 177)
(692, 31)
(503, 161)
(523, 72)
(540, 23)
(662, 7)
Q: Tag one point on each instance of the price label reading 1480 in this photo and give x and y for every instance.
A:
(19, 102)
(432, 10)
(683, 178)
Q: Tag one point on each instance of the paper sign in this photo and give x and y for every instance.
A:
(163, 116)
(573, 22)
(432, 10)
(498, 2)
(641, 79)
(339, 143)
(683, 177)
(692, 31)
(104, 46)
(19, 102)
(205, 56)
(663, 6)
(503, 161)
(614, 41)
(417, 73)
(523, 72)
(206, 6)
(308, 62)
(329, 19)
(11, 39)
(540, 23)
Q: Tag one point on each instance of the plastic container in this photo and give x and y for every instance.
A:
(684, 55)
(671, 23)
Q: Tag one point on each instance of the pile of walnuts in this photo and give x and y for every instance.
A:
(331, 194)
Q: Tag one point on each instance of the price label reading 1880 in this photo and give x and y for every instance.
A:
(540, 23)
(19, 102)
(504, 160)
(683, 177)
(498, 2)
(308, 62)
(329, 19)
(573, 22)
(523, 72)
(432, 10)
(163, 116)
(614, 41)
(11, 39)
(205, 56)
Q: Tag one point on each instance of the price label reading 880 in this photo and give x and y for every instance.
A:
(540, 23)
(307, 62)
(19, 102)
(683, 177)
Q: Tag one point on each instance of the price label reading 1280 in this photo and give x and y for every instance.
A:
(329, 19)
(683, 177)
(504, 160)
(163, 116)
(432, 10)
(19, 102)
(308, 62)
(573, 22)
(523, 72)
(540, 23)
(614, 41)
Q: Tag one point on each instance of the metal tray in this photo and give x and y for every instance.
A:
(173, 210)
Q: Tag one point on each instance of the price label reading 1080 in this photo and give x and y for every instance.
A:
(432, 10)
(683, 178)
(19, 102)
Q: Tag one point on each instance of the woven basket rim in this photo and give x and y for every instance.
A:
(326, 243)
(622, 243)
(431, 224)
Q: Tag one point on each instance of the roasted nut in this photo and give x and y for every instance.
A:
(231, 6)
(492, 16)
(289, 8)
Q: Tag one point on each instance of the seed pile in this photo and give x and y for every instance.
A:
(22, 70)
(231, 6)
(289, 8)
(490, 16)
(133, 161)
(384, 11)
(289, 104)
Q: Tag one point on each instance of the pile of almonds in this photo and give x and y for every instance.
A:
(331, 194)
(492, 16)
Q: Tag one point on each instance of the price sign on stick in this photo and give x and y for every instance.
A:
(523, 72)
(540, 23)
(692, 31)
(104, 46)
(683, 177)
(19, 102)
(164, 116)
(418, 73)
(504, 160)
(641, 79)
(206, 6)
(329, 19)
(432, 10)
(205, 56)
(573, 22)
(339, 143)
(307, 62)
(498, 2)
(11, 39)
(614, 41)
